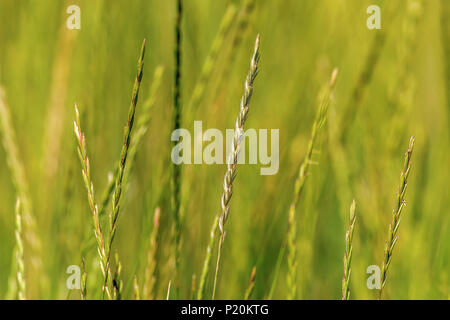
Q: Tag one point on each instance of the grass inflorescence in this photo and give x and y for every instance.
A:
(400, 203)
(104, 245)
(114, 215)
(21, 283)
(232, 161)
(86, 173)
(348, 253)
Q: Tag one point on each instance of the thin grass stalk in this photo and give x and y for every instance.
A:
(396, 216)
(21, 283)
(150, 270)
(303, 172)
(292, 255)
(176, 169)
(141, 128)
(83, 280)
(208, 66)
(242, 23)
(19, 180)
(123, 158)
(143, 120)
(86, 173)
(348, 253)
(251, 285)
(230, 174)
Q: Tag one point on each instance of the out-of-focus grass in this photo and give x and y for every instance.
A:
(45, 68)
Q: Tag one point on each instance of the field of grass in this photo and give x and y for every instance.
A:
(286, 234)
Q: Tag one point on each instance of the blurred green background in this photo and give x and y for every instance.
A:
(45, 68)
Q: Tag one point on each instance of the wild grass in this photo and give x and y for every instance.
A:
(83, 280)
(176, 169)
(232, 161)
(86, 173)
(111, 286)
(21, 283)
(299, 185)
(348, 253)
(400, 203)
(57, 113)
(143, 122)
(123, 158)
(20, 182)
(390, 83)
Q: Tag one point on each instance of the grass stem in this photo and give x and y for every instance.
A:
(230, 174)
(396, 216)
(348, 253)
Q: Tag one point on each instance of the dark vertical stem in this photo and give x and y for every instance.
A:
(176, 176)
